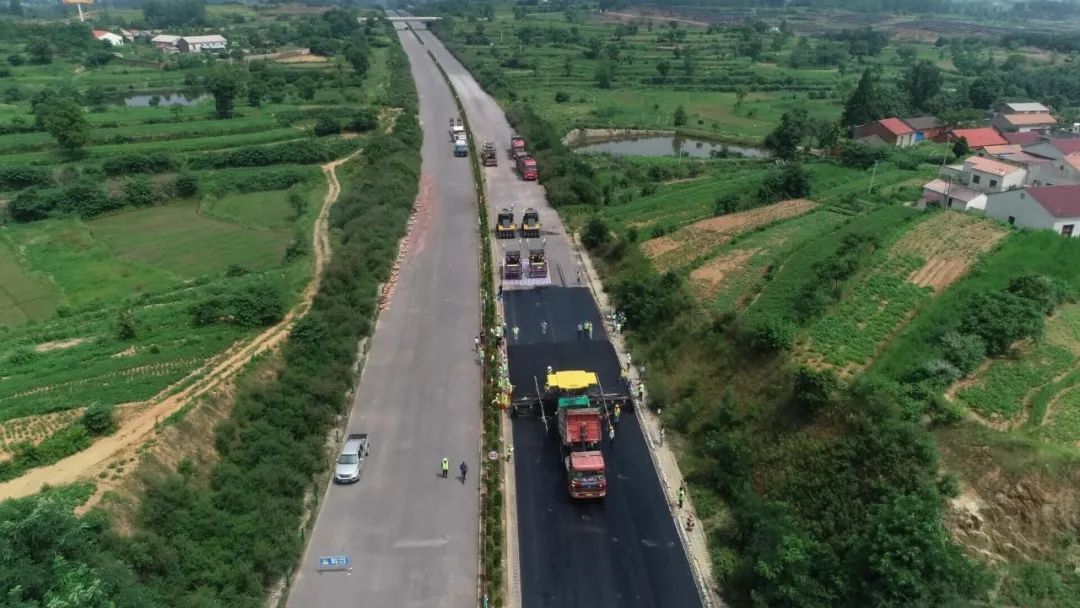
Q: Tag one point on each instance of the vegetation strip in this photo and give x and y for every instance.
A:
(492, 524)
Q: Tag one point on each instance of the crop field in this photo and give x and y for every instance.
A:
(260, 210)
(97, 367)
(176, 238)
(24, 295)
(928, 257)
(687, 244)
(729, 279)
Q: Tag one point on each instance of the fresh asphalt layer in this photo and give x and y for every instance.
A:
(411, 536)
(623, 550)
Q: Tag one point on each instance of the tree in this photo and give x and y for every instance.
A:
(224, 86)
(605, 73)
(15, 7)
(863, 105)
(679, 117)
(596, 233)
(740, 96)
(1001, 318)
(663, 68)
(298, 204)
(139, 191)
(40, 51)
(98, 418)
(922, 82)
(785, 138)
(984, 91)
(326, 125)
(256, 92)
(186, 185)
(65, 121)
(358, 57)
(125, 325)
(961, 148)
(305, 87)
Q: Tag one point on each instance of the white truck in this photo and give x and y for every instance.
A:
(457, 129)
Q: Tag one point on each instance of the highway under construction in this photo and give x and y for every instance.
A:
(619, 550)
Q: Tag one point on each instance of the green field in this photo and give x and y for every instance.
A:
(24, 295)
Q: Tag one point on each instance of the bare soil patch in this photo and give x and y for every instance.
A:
(950, 242)
(688, 243)
(45, 347)
(134, 430)
(708, 278)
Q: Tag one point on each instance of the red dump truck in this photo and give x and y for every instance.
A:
(516, 147)
(526, 166)
(580, 430)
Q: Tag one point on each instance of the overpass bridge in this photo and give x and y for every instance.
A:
(390, 18)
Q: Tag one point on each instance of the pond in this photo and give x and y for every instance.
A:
(670, 145)
(166, 99)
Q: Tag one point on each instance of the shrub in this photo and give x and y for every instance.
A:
(1044, 292)
(362, 120)
(596, 233)
(17, 178)
(814, 387)
(326, 125)
(767, 335)
(1001, 318)
(258, 305)
(98, 419)
(139, 191)
(965, 351)
(561, 97)
(147, 162)
(186, 185)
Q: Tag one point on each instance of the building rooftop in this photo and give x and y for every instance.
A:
(1025, 106)
(1004, 149)
(1059, 201)
(920, 123)
(1027, 120)
(952, 190)
(991, 166)
(895, 126)
(1024, 158)
(204, 39)
(1024, 139)
(980, 137)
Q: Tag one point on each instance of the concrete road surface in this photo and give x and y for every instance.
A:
(624, 550)
(411, 535)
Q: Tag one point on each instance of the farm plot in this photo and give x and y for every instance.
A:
(24, 295)
(1001, 390)
(689, 243)
(33, 429)
(101, 368)
(1063, 420)
(729, 279)
(180, 240)
(927, 258)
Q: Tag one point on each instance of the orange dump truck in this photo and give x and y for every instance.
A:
(581, 430)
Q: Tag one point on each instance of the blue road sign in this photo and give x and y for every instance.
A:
(334, 562)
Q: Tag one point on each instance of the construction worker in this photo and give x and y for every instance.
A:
(618, 412)
(476, 340)
(550, 370)
(641, 392)
(682, 495)
(588, 329)
(516, 332)
(611, 434)
(661, 435)
(690, 522)
(580, 330)
(543, 328)
(464, 468)
(509, 453)
(445, 467)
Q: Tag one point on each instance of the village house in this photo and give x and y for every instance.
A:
(1021, 107)
(165, 42)
(977, 138)
(111, 38)
(1055, 147)
(927, 128)
(1054, 208)
(891, 131)
(1024, 122)
(965, 186)
(198, 44)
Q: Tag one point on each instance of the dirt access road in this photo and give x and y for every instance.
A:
(220, 369)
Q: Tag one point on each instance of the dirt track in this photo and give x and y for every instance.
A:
(222, 368)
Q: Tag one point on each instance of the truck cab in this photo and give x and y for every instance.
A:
(585, 475)
(457, 129)
(516, 148)
(488, 155)
(526, 166)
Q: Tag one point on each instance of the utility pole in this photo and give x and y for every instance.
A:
(872, 176)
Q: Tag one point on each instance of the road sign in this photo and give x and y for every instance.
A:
(335, 562)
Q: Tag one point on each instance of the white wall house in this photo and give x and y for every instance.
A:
(111, 38)
(1054, 208)
(965, 187)
(165, 42)
(199, 44)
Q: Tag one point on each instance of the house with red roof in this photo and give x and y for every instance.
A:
(892, 131)
(977, 138)
(1054, 208)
